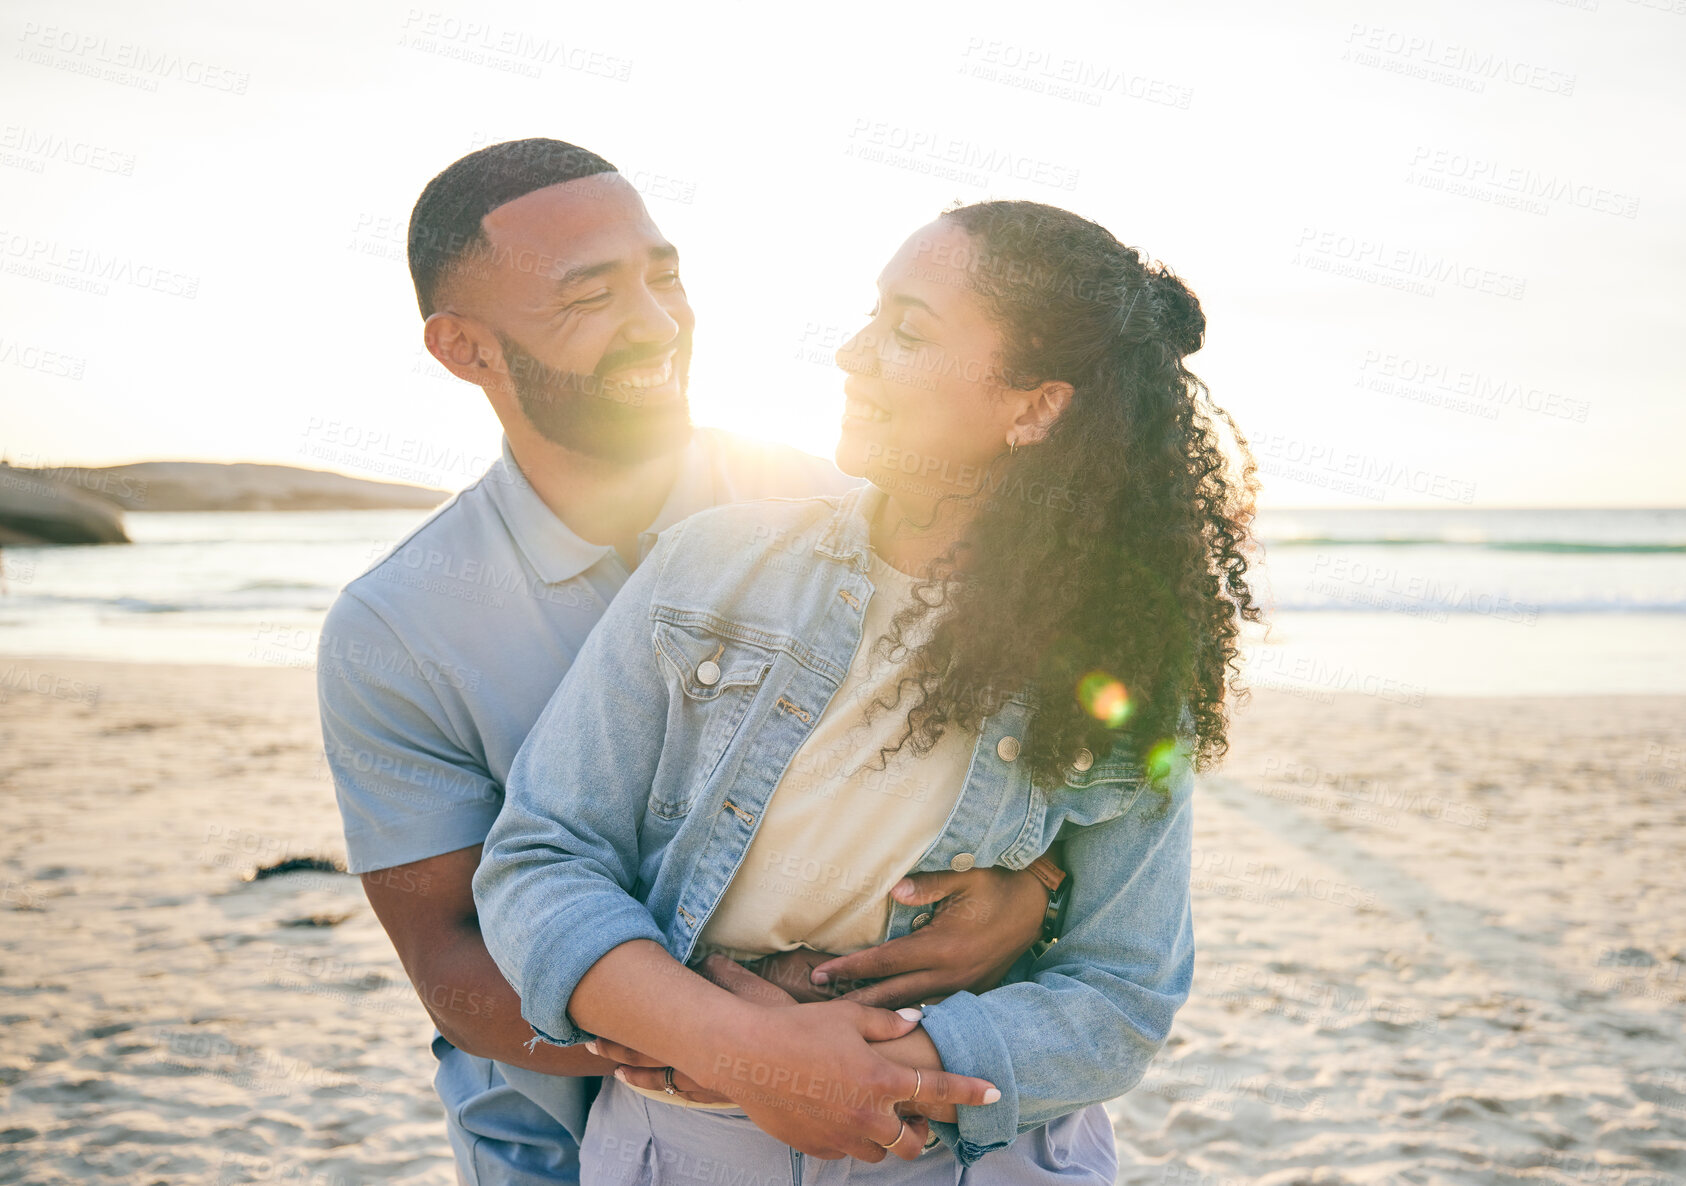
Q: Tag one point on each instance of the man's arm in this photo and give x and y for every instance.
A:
(427, 909)
(416, 804)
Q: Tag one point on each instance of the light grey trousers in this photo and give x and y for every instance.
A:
(632, 1140)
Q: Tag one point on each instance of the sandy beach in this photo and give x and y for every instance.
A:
(1440, 942)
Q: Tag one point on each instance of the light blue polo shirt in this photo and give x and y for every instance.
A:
(432, 668)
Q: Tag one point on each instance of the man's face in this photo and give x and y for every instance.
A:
(583, 296)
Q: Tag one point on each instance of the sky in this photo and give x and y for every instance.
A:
(1438, 245)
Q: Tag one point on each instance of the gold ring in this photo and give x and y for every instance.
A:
(667, 1082)
(892, 1144)
(916, 1084)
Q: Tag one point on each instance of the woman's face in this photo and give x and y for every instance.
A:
(924, 413)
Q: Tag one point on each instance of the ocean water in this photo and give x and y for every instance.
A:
(1402, 604)
(193, 587)
(1397, 604)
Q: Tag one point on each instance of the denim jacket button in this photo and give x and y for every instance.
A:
(708, 673)
(920, 920)
(1007, 748)
(1082, 761)
(963, 862)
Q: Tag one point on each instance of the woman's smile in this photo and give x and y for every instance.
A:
(861, 411)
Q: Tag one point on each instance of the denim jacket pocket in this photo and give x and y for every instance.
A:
(714, 678)
(1105, 791)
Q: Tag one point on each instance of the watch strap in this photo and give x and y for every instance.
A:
(1048, 873)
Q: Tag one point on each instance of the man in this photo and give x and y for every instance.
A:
(542, 280)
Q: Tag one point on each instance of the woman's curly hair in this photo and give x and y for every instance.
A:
(1112, 552)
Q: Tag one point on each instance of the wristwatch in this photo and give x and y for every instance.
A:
(1059, 892)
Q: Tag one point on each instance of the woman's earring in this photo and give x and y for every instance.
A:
(1012, 444)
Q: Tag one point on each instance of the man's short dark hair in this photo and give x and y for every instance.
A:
(445, 224)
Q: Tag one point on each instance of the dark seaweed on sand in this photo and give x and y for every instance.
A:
(297, 865)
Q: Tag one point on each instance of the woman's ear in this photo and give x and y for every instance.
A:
(1048, 402)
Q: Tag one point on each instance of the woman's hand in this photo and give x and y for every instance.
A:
(805, 1074)
(915, 1049)
(985, 919)
(811, 1076)
(640, 1070)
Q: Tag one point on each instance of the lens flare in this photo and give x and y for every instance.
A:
(1104, 698)
(1161, 758)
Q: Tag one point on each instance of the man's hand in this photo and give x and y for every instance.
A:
(792, 973)
(986, 919)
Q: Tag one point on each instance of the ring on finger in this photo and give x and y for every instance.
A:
(917, 1082)
(899, 1132)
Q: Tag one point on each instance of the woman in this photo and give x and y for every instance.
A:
(1018, 631)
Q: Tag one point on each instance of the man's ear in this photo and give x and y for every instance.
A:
(452, 340)
(1047, 403)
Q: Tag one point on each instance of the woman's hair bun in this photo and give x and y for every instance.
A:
(1180, 318)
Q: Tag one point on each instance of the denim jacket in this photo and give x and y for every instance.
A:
(632, 803)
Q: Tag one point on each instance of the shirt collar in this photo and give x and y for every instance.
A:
(694, 489)
(550, 545)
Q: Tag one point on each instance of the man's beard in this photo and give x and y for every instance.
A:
(585, 414)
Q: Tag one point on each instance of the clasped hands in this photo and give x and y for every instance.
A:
(814, 1010)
